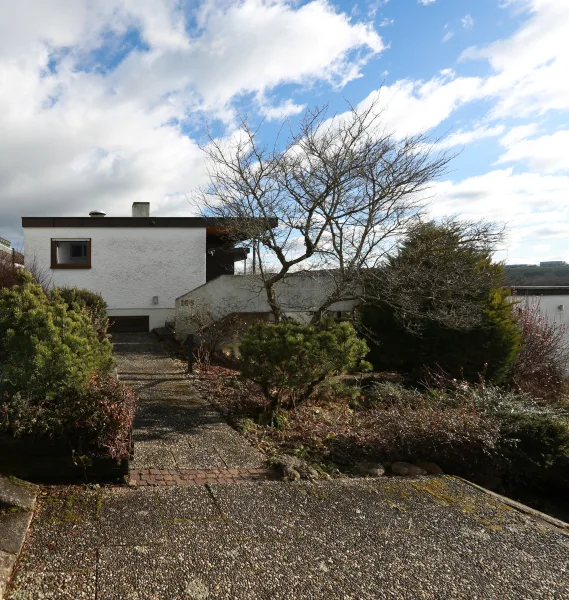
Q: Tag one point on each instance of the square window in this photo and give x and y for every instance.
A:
(70, 254)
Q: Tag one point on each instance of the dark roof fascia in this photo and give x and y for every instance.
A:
(203, 222)
(530, 290)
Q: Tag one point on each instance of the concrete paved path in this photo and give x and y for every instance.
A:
(174, 428)
(344, 539)
(351, 539)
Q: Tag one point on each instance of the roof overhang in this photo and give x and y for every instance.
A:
(214, 226)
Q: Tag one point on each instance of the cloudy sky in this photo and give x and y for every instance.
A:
(103, 102)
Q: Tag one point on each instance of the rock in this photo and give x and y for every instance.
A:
(294, 468)
(290, 473)
(370, 469)
(431, 467)
(407, 469)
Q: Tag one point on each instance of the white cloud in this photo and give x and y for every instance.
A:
(467, 22)
(521, 132)
(447, 36)
(426, 2)
(546, 154)
(531, 66)
(533, 206)
(412, 107)
(74, 138)
(462, 138)
(288, 108)
(386, 22)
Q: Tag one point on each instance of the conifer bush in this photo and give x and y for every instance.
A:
(55, 372)
(289, 360)
(45, 347)
(91, 302)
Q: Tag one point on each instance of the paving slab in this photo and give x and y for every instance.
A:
(174, 426)
(130, 517)
(17, 493)
(429, 537)
(17, 501)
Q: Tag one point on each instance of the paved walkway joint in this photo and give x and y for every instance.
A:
(171, 477)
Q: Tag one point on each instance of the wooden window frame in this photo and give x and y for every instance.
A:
(54, 263)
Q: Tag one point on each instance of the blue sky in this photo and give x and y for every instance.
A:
(103, 102)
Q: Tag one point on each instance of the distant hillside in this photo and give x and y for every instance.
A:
(537, 275)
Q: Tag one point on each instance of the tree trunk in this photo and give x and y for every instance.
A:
(273, 302)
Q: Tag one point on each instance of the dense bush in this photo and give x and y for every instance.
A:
(489, 348)
(55, 372)
(443, 305)
(458, 439)
(93, 303)
(541, 367)
(100, 415)
(536, 449)
(46, 348)
(289, 360)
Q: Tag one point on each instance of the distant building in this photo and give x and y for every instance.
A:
(519, 266)
(553, 263)
(5, 246)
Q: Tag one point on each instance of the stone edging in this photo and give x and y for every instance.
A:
(531, 512)
(171, 477)
(17, 501)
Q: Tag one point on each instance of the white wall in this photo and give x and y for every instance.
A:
(549, 306)
(297, 295)
(129, 265)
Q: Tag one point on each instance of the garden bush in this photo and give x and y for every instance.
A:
(46, 348)
(536, 450)
(289, 360)
(100, 415)
(93, 303)
(489, 348)
(440, 303)
(542, 365)
(458, 439)
(55, 372)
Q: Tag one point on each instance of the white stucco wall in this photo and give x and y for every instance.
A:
(298, 296)
(553, 306)
(129, 265)
(549, 306)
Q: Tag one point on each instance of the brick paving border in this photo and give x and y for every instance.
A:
(171, 477)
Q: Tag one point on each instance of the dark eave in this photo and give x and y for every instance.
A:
(540, 290)
(213, 225)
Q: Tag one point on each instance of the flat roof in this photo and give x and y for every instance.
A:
(212, 224)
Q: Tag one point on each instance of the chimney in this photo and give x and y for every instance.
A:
(141, 209)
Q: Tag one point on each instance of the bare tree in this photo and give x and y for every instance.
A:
(342, 188)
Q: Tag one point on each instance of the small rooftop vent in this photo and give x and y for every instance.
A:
(97, 213)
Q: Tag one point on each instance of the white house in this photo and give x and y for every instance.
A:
(139, 264)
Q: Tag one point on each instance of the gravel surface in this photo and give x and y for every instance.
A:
(429, 537)
(175, 427)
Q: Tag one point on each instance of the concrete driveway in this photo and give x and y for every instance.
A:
(346, 539)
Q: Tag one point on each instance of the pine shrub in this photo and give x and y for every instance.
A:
(46, 348)
(289, 360)
(93, 303)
